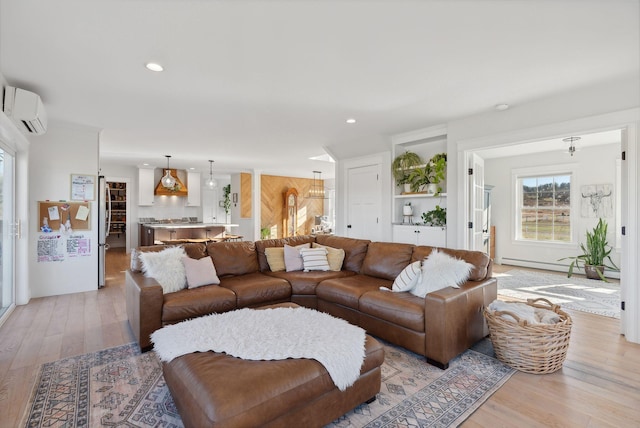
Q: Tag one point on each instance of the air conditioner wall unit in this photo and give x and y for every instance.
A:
(26, 110)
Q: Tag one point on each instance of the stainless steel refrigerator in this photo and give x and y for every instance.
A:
(104, 224)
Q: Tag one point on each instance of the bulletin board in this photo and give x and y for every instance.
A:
(58, 212)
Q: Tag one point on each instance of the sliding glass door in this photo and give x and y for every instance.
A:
(7, 283)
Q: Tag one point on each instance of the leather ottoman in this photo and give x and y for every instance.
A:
(216, 390)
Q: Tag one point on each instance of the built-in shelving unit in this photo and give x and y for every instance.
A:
(426, 143)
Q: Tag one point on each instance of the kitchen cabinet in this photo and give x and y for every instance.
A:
(194, 186)
(420, 235)
(146, 186)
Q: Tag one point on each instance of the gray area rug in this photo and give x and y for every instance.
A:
(577, 293)
(119, 387)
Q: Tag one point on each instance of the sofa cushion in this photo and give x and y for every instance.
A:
(275, 258)
(386, 259)
(306, 282)
(354, 249)
(292, 258)
(403, 309)
(196, 302)
(347, 291)
(193, 250)
(233, 258)
(314, 259)
(408, 278)
(256, 289)
(335, 256)
(200, 272)
(165, 267)
(440, 270)
(480, 261)
(268, 243)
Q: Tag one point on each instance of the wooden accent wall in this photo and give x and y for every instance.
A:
(245, 195)
(273, 204)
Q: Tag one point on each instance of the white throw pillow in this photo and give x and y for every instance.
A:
(200, 272)
(335, 256)
(440, 270)
(408, 278)
(165, 267)
(292, 258)
(314, 259)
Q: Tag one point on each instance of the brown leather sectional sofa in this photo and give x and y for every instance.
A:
(440, 326)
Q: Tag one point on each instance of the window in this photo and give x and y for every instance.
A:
(544, 208)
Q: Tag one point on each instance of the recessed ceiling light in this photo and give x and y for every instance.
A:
(145, 164)
(351, 120)
(502, 107)
(154, 66)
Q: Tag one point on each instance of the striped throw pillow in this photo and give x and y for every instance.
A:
(314, 259)
(408, 278)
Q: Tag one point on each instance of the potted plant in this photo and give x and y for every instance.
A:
(419, 178)
(595, 254)
(401, 166)
(437, 172)
(407, 209)
(436, 217)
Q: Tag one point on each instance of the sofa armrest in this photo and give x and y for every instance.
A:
(454, 319)
(144, 300)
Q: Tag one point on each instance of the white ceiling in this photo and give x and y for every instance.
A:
(267, 84)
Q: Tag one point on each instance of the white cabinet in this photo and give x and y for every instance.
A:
(194, 188)
(420, 235)
(146, 185)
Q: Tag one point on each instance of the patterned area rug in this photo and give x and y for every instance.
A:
(580, 294)
(119, 387)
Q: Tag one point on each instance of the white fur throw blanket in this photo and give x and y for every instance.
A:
(270, 334)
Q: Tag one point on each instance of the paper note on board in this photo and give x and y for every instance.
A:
(54, 214)
(83, 213)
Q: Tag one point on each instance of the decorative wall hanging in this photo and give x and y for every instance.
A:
(597, 200)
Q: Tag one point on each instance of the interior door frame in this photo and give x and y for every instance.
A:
(626, 120)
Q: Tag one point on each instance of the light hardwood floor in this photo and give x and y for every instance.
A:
(599, 385)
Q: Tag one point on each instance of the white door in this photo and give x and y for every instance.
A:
(8, 234)
(364, 202)
(476, 202)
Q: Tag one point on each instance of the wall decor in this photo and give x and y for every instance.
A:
(83, 187)
(597, 200)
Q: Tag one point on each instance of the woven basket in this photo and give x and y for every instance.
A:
(530, 348)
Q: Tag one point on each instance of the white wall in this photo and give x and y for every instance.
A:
(64, 150)
(592, 165)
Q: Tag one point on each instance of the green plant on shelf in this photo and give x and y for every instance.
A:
(437, 217)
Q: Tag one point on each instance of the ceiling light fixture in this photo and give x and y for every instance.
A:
(502, 107)
(152, 66)
(572, 146)
(211, 183)
(168, 181)
(317, 186)
(351, 120)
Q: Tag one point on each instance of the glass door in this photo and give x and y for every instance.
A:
(7, 239)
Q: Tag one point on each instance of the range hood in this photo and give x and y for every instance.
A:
(179, 189)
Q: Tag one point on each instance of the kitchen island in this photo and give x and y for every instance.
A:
(160, 233)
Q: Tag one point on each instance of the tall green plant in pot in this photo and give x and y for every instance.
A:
(595, 254)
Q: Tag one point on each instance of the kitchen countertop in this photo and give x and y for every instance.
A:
(187, 225)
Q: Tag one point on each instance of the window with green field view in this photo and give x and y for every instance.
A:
(544, 208)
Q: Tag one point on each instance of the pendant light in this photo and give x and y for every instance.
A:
(168, 181)
(211, 183)
(317, 186)
(572, 146)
